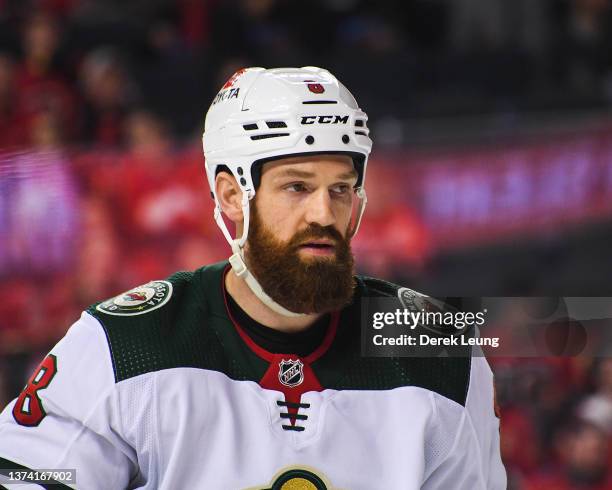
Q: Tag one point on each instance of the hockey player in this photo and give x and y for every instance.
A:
(248, 374)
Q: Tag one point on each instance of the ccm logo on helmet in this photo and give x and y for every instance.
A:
(325, 119)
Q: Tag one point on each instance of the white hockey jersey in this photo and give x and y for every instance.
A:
(159, 388)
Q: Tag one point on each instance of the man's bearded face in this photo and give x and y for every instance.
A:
(302, 284)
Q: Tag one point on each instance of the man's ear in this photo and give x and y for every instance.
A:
(230, 196)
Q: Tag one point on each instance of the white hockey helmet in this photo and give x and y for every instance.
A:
(261, 115)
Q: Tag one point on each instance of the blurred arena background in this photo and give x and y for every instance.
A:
(491, 173)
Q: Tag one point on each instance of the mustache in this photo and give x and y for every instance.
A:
(314, 232)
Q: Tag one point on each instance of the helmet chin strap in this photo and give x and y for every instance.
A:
(238, 262)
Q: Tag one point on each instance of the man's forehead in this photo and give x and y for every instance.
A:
(306, 165)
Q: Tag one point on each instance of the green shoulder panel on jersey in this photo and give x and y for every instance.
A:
(408, 298)
(345, 368)
(173, 323)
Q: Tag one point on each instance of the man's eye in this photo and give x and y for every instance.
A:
(341, 189)
(296, 187)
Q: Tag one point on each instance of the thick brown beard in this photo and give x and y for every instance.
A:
(316, 285)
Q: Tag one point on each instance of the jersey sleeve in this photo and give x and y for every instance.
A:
(67, 418)
(472, 459)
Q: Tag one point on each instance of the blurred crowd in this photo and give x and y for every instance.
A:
(75, 70)
(102, 184)
(556, 422)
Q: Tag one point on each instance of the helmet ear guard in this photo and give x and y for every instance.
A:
(363, 201)
(262, 115)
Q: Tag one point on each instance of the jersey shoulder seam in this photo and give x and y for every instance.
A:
(108, 342)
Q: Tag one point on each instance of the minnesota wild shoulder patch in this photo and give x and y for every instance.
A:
(139, 300)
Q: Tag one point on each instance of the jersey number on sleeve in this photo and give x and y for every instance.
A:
(29, 410)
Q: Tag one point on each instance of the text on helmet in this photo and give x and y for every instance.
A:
(325, 119)
(231, 93)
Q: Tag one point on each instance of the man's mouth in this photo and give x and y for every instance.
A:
(319, 247)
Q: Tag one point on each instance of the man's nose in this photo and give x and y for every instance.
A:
(319, 209)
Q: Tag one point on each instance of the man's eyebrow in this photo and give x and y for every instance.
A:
(292, 172)
(348, 175)
(301, 174)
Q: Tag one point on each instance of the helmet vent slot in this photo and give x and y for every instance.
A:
(266, 136)
(360, 123)
(362, 133)
(276, 124)
(250, 127)
(319, 102)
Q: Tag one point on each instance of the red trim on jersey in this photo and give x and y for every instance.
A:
(270, 356)
(271, 381)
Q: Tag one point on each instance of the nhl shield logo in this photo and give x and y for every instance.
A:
(291, 372)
